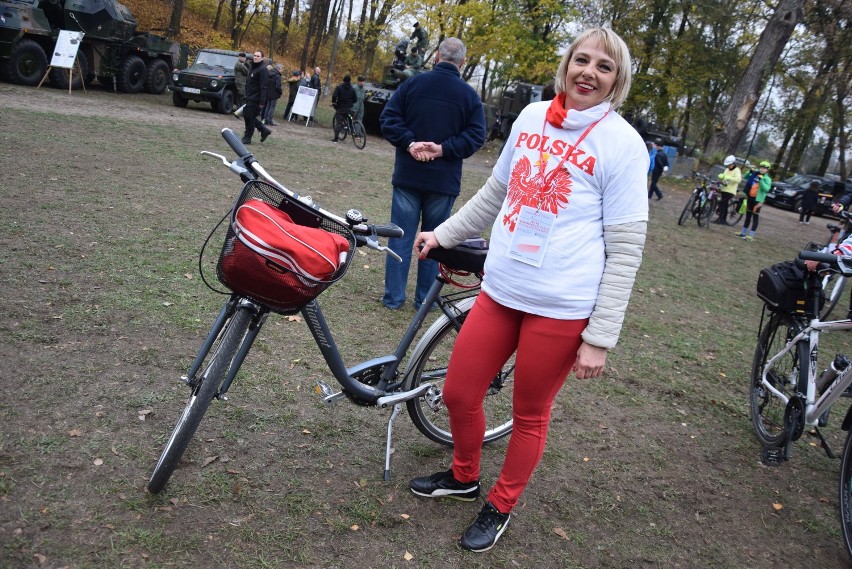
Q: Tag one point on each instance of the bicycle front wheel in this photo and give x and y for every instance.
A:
(359, 135)
(706, 212)
(734, 215)
(846, 493)
(833, 286)
(429, 363)
(788, 375)
(687, 209)
(205, 389)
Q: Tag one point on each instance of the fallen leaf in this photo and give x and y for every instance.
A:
(777, 506)
(294, 318)
(188, 275)
(408, 556)
(75, 433)
(354, 527)
(404, 516)
(209, 460)
(40, 558)
(561, 533)
(98, 461)
(167, 304)
(306, 432)
(586, 459)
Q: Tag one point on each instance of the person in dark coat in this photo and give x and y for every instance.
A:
(809, 202)
(661, 164)
(273, 93)
(257, 85)
(343, 99)
(293, 86)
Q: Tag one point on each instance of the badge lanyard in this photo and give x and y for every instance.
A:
(564, 157)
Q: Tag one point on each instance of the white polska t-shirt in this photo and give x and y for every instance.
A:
(601, 182)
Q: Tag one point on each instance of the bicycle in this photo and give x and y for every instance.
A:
(833, 284)
(348, 125)
(786, 392)
(702, 202)
(375, 382)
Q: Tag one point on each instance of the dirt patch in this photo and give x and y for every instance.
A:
(106, 202)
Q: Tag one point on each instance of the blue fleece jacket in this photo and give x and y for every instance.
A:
(435, 106)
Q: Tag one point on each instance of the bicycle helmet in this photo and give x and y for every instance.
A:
(765, 164)
(729, 160)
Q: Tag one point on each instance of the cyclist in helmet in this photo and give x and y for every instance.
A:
(757, 186)
(731, 178)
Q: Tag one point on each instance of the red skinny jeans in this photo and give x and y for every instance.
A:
(546, 350)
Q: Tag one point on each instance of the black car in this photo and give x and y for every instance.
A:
(210, 79)
(787, 194)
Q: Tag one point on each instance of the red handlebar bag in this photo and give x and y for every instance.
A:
(309, 252)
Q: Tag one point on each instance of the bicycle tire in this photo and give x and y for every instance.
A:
(687, 209)
(429, 362)
(706, 212)
(202, 395)
(734, 215)
(845, 498)
(833, 286)
(340, 127)
(789, 375)
(359, 135)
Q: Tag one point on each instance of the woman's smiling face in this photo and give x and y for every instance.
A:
(590, 77)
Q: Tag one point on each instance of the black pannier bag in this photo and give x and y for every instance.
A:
(783, 288)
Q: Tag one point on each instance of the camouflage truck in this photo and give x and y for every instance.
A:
(209, 79)
(111, 51)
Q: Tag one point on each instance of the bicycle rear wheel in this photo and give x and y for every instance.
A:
(687, 209)
(706, 212)
(206, 387)
(340, 127)
(359, 135)
(846, 493)
(734, 215)
(429, 363)
(788, 375)
(833, 286)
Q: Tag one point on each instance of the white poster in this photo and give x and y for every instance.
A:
(65, 52)
(305, 102)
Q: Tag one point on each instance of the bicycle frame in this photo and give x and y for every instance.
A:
(814, 407)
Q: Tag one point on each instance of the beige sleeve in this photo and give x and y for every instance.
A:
(474, 217)
(624, 245)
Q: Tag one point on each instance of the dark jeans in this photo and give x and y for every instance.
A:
(805, 215)
(655, 176)
(407, 207)
(724, 200)
(268, 114)
(250, 114)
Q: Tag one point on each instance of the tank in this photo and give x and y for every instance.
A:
(112, 51)
(376, 95)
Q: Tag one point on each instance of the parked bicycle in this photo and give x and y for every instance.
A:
(833, 284)
(348, 125)
(702, 201)
(787, 393)
(375, 382)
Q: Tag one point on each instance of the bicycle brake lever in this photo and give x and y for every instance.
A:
(214, 155)
(374, 244)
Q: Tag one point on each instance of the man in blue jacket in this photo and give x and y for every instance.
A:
(435, 120)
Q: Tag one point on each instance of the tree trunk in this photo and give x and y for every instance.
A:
(276, 6)
(735, 117)
(174, 22)
(285, 28)
(218, 15)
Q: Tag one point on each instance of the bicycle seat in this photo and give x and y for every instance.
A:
(467, 256)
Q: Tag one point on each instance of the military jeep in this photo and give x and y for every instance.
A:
(209, 79)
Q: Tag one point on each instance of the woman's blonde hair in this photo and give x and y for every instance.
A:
(614, 47)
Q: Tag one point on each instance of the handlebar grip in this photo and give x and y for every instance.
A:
(827, 258)
(389, 230)
(235, 143)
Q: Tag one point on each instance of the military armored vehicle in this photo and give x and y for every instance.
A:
(209, 79)
(376, 95)
(111, 51)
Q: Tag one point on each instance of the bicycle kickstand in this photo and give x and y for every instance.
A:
(388, 450)
(824, 444)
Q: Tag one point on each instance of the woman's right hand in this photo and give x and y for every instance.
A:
(427, 240)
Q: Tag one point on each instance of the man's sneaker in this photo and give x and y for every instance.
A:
(265, 135)
(749, 238)
(443, 485)
(246, 141)
(484, 532)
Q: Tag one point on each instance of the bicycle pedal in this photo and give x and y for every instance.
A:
(772, 456)
(324, 390)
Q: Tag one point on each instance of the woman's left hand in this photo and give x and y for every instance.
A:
(590, 361)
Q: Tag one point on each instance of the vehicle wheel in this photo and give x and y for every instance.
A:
(734, 215)
(178, 100)
(226, 103)
(26, 64)
(687, 209)
(429, 363)
(157, 77)
(788, 375)
(833, 286)
(846, 493)
(131, 74)
(202, 394)
(797, 205)
(706, 212)
(359, 135)
(59, 76)
(339, 126)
